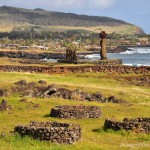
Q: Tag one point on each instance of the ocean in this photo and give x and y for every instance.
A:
(137, 56)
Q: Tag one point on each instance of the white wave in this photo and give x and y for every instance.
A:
(128, 64)
(129, 52)
(92, 56)
(138, 65)
(143, 64)
(137, 50)
(50, 60)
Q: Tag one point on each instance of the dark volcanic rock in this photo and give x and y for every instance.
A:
(4, 92)
(139, 125)
(24, 100)
(27, 55)
(34, 90)
(81, 111)
(114, 100)
(111, 69)
(47, 91)
(42, 82)
(21, 83)
(4, 106)
(51, 131)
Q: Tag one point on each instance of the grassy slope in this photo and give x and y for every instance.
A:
(93, 136)
(8, 27)
(122, 29)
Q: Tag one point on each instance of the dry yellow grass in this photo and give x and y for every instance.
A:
(4, 27)
(122, 29)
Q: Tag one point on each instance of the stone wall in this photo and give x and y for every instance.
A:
(66, 111)
(109, 62)
(139, 125)
(27, 55)
(51, 131)
(76, 69)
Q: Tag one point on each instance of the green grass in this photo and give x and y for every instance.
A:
(94, 137)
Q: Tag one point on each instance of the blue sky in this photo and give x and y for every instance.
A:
(133, 11)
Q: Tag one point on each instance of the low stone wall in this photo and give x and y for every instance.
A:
(98, 62)
(77, 69)
(66, 111)
(139, 125)
(51, 131)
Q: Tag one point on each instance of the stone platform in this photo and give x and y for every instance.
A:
(97, 62)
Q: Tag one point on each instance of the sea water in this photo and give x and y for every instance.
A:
(136, 56)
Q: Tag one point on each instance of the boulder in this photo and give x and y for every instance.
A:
(4, 106)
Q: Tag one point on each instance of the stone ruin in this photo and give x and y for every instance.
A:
(33, 89)
(81, 111)
(51, 131)
(71, 55)
(4, 106)
(139, 125)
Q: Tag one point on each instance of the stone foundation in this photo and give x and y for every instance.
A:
(98, 62)
(77, 69)
(66, 111)
(51, 131)
(139, 125)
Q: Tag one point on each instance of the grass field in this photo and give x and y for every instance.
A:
(122, 29)
(93, 135)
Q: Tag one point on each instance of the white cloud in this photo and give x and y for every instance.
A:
(61, 4)
(82, 3)
(102, 3)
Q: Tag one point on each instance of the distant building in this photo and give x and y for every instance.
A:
(39, 47)
(13, 46)
(23, 47)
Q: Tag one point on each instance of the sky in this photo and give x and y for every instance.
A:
(136, 12)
